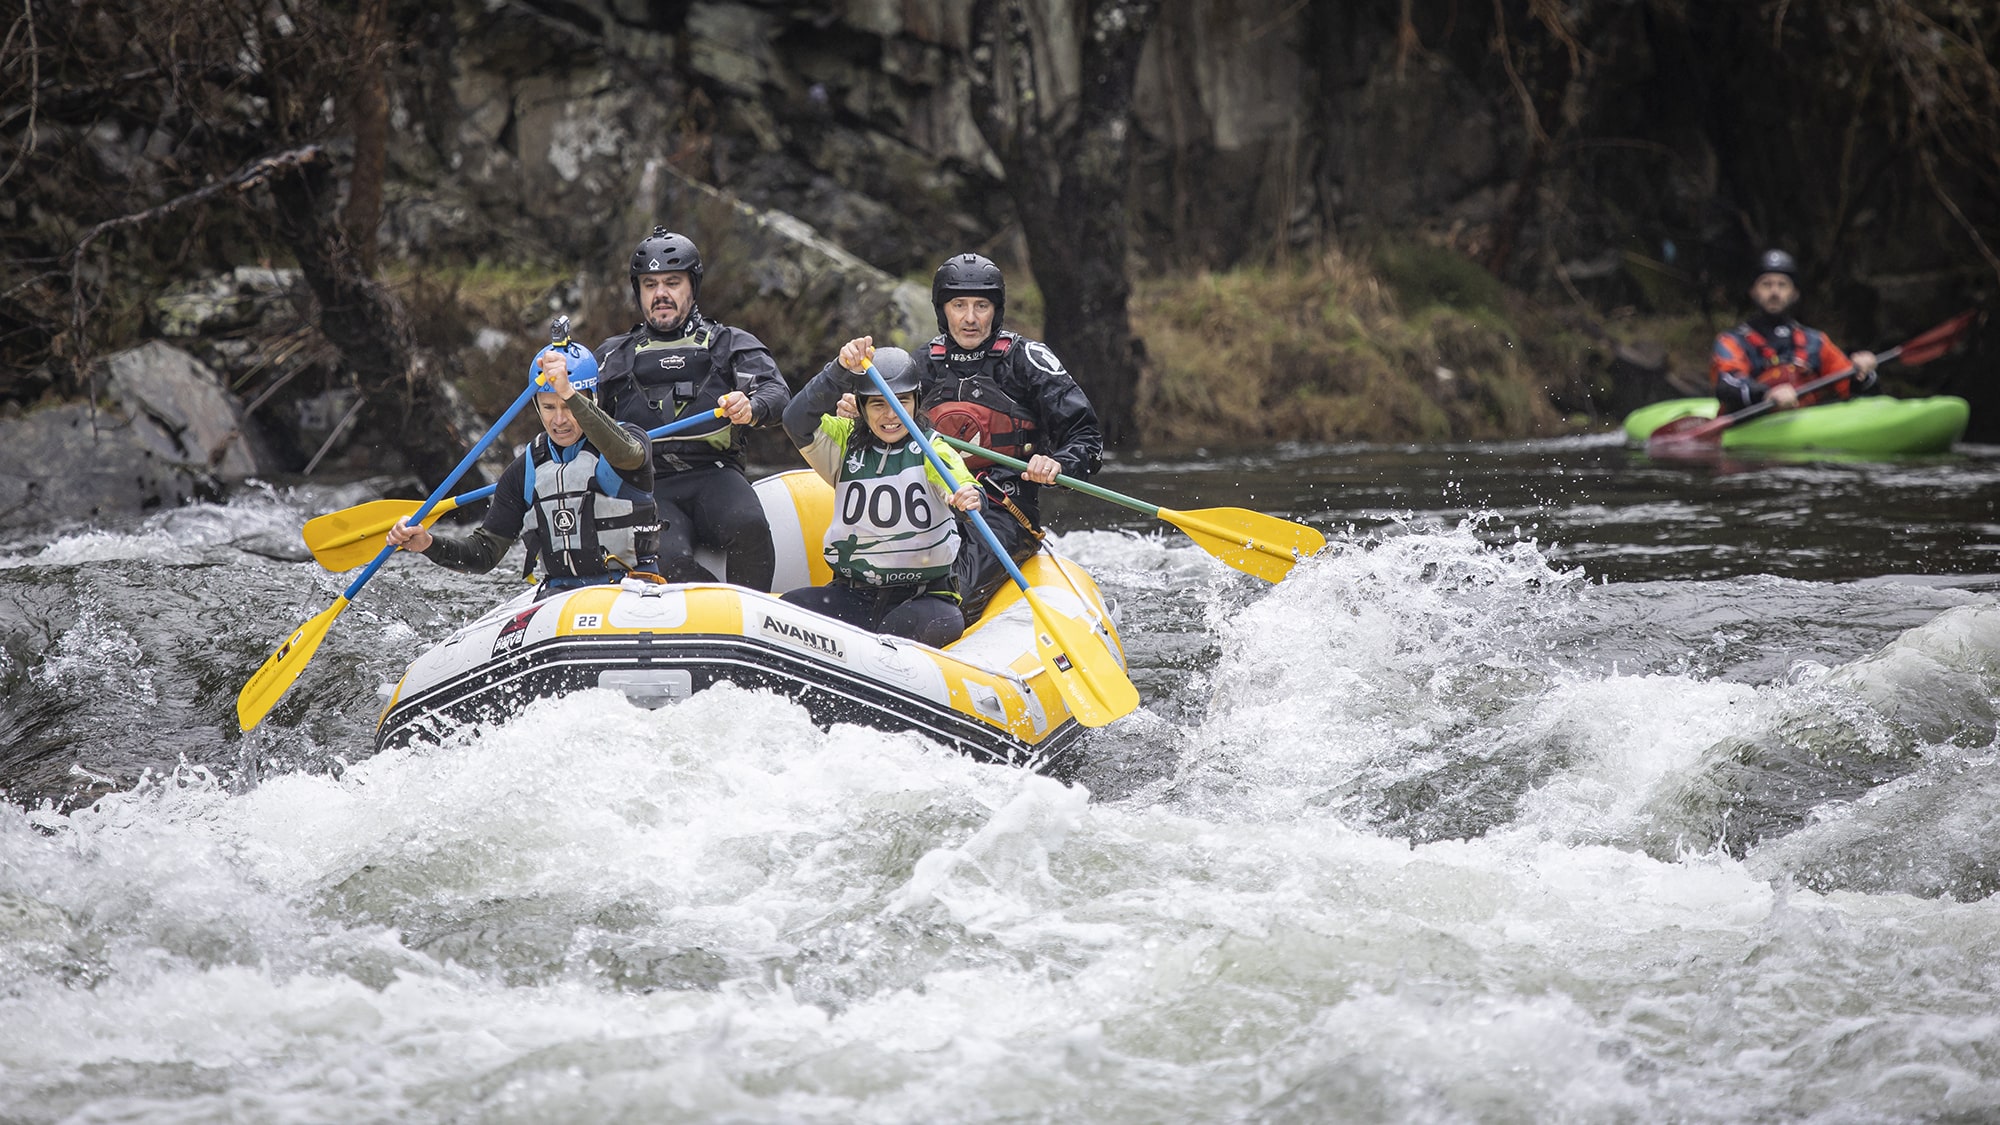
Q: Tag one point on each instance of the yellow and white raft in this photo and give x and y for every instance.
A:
(986, 694)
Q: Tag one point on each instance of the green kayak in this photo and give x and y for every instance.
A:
(1871, 424)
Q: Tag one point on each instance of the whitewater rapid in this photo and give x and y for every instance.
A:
(1441, 829)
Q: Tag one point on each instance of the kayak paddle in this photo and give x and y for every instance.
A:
(1089, 679)
(1252, 542)
(348, 538)
(1696, 435)
(275, 677)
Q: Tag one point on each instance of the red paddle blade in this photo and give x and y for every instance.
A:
(1939, 340)
(1687, 435)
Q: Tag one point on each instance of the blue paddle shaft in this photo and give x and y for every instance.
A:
(665, 431)
(944, 473)
(443, 487)
(477, 494)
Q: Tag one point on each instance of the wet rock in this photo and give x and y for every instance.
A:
(770, 256)
(193, 420)
(165, 433)
(732, 45)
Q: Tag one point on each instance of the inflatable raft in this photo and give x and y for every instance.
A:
(986, 694)
(1869, 425)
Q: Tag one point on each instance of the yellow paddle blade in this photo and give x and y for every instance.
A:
(270, 682)
(1252, 542)
(1088, 677)
(352, 537)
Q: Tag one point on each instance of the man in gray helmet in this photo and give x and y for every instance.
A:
(1771, 355)
(674, 364)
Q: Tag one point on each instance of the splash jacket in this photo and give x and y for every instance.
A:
(1766, 351)
(1012, 396)
(699, 486)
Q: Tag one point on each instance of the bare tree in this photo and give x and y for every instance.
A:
(1053, 100)
(128, 129)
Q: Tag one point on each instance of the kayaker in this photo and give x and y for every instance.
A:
(676, 362)
(580, 494)
(1771, 354)
(1001, 390)
(891, 544)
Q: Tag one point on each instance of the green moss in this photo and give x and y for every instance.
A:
(1424, 275)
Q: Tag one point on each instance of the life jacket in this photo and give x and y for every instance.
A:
(671, 377)
(891, 525)
(584, 518)
(1798, 364)
(972, 407)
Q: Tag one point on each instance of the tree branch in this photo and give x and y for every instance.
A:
(26, 25)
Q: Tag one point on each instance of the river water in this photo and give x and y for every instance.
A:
(1564, 786)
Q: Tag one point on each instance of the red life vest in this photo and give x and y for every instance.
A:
(1797, 368)
(973, 408)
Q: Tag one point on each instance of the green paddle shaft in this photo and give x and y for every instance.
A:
(1066, 481)
(1252, 542)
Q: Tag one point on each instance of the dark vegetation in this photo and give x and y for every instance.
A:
(1386, 218)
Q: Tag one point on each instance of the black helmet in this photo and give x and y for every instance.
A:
(1777, 261)
(968, 275)
(897, 369)
(663, 251)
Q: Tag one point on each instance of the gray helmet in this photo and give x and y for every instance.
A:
(897, 369)
(968, 275)
(1777, 261)
(663, 251)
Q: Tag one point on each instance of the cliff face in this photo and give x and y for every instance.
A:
(1607, 154)
(1532, 137)
(1603, 154)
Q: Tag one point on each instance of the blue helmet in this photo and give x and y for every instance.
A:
(582, 366)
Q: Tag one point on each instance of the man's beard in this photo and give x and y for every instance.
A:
(656, 318)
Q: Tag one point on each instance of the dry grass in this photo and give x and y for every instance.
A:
(1338, 348)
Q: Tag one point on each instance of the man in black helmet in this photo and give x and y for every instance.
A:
(1005, 392)
(677, 363)
(1771, 355)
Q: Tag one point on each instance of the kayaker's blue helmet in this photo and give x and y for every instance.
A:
(1777, 261)
(582, 367)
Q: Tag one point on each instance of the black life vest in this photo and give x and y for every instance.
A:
(670, 380)
(971, 406)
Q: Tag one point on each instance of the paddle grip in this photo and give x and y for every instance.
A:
(1063, 479)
